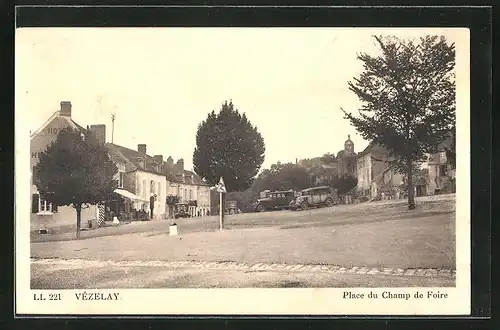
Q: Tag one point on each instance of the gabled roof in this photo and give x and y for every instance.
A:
(196, 178)
(133, 158)
(55, 115)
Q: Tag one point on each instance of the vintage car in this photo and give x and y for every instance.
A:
(232, 207)
(315, 197)
(275, 200)
(181, 210)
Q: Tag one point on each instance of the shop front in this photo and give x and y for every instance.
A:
(122, 207)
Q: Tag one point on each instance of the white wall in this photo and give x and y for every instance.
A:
(143, 190)
(363, 170)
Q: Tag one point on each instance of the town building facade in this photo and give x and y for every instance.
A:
(142, 177)
(46, 215)
(188, 186)
(440, 171)
(143, 181)
(370, 164)
(377, 179)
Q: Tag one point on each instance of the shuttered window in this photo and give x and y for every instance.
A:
(34, 203)
(40, 205)
(33, 175)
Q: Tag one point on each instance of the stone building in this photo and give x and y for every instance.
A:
(140, 175)
(370, 163)
(188, 186)
(46, 215)
(440, 171)
(150, 176)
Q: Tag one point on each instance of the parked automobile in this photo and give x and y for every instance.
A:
(275, 200)
(181, 210)
(232, 207)
(315, 197)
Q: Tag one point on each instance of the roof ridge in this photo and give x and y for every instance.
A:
(48, 121)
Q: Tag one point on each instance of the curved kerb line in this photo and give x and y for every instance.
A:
(232, 265)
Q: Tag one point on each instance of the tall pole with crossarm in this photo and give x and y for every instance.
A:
(113, 116)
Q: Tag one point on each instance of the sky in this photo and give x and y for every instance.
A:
(162, 82)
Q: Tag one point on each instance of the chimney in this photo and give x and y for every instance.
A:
(159, 163)
(180, 165)
(65, 109)
(170, 162)
(141, 148)
(99, 132)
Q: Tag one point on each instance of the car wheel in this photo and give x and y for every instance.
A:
(261, 208)
(304, 205)
(231, 211)
(329, 202)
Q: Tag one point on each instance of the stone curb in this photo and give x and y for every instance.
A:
(249, 267)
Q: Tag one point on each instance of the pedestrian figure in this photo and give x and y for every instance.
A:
(151, 205)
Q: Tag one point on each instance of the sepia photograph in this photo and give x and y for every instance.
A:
(242, 158)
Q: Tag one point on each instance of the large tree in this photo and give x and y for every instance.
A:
(344, 183)
(75, 170)
(408, 99)
(228, 145)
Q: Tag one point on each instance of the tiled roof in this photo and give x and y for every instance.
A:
(196, 178)
(78, 126)
(132, 158)
(56, 114)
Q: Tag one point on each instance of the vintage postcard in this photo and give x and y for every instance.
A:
(277, 171)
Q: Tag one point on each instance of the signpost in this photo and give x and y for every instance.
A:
(221, 189)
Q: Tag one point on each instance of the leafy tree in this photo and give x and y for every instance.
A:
(282, 177)
(228, 145)
(328, 158)
(243, 198)
(344, 183)
(75, 170)
(347, 162)
(408, 96)
(171, 200)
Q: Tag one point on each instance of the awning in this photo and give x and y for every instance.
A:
(129, 195)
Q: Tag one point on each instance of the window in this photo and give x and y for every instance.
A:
(120, 180)
(152, 187)
(138, 186)
(39, 205)
(443, 170)
(33, 175)
(159, 189)
(144, 192)
(190, 194)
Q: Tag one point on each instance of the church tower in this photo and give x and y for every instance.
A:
(349, 145)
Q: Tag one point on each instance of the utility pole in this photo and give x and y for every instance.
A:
(113, 116)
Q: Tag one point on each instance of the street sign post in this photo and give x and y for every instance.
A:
(221, 189)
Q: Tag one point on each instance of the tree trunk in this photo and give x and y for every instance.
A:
(411, 195)
(78, 220)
